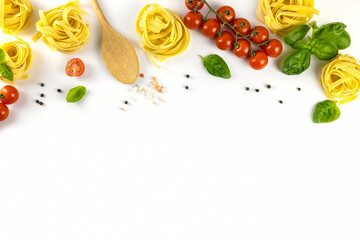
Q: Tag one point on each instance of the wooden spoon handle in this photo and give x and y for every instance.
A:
(99, 12)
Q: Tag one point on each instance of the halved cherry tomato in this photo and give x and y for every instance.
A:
(75, 67)
(242, 48)
(242, 26)
(225, 41)
(4, 112)
(260, 34)
(227, 13)
(193, 20)
(210, 28)
(259, 60)
(9, 95)
(191, 4)
(273, 49)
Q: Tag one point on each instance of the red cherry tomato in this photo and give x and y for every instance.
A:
(225, 41)
(273, 49)
(242, 50)
(9, 95)
(242, 26)
(227, 13)
(75, 67)
(260, 34)
(210, 28)
(4, 112)
(259, 60)
(193, 20)
(191, 4)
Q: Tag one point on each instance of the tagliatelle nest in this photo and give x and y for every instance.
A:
(14, 15)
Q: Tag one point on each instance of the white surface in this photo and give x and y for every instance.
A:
(214, 162)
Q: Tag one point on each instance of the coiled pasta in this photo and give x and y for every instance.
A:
(163, 33)
(14, 15)
(282, 16)
(63, 28)
(341, 79)
(18, 57)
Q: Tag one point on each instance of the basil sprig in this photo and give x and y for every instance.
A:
(5, 71)
(324, 43)
(326, 112)
(216, 66)
(76, 94)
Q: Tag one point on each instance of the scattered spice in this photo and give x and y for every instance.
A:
(37, 101)
(41, 103)
(247, 89)
(126, 102)
(42, 95)
(281, 102)
(187, 87)
(42, 84)
(153, 94)
(268, 86)
(59, 90)
(122, 109)
(141, 75)
(187, 76)
(257, 90)
(299, 89)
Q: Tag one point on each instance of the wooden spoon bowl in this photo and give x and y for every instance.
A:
(119, 55)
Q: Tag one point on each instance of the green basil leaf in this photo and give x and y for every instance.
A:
(6, 72)
(216, 66)
(326, 112)
(297, 62)
(297, 34)
(335, 33)
(300, 45)
(76, 94)
(2, 55)
(325, 51)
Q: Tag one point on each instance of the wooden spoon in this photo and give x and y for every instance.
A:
(118, 53)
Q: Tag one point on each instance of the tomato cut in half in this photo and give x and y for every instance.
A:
(75, 67)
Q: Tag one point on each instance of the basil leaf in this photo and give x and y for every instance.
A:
(335, 33)
(216, 66)
(326, 112)
(2, 55)
(297, 62)
(297, 34)
(6, 72)
(76, 94)
(325, 51)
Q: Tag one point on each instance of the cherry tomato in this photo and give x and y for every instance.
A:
(191, 4)
(243, 48)
(259, 60)
(273, 49)
(227, 13)
(75, 67)
(242, 26)
(225, 41)
(4, 112)
(193, 20)
(261, 34)
(9, 94)
(210, 28)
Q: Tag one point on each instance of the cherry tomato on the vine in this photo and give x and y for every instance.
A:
(225, 41)
(273, 49)
(75, 67)
(4, 112)
(191, 4)
(193, 20)
(259, 60)
(227, 13)
(242, 48)
(242, 26)
(260, 34)
(210, 28)
(9, 95)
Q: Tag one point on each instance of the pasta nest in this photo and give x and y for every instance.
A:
(18, 57)
(282, 16)
(14, 15)
(63, 28)
(341, 79)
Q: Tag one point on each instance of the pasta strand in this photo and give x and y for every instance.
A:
(14, 15)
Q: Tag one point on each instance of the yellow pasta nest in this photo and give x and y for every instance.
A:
(18, 57)
(282, 16)
(14, 15)
(63, 28)
(341, 79)
(163, 33)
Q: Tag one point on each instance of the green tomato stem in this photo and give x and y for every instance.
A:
(2, 96)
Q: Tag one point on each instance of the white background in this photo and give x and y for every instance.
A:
(213, 162)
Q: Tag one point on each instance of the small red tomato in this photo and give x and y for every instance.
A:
(193, 20)
(242, 48)
(225, 41)
(259, 60)
(191, 4)
(260, 34)
(210, 28)
(242, 26)
(75, 67)
(227, 13)
(9, 95)
(4, 112)
(273, 49)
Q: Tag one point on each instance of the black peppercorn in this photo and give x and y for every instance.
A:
(42, 95)
(37, 101)
(187, 76)
(281, 102)
(268, 86)
(42, 84)
(257, 90)
(126, 102)
(247, 89)
(186, 87)
(59, 90)
(299, 89)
